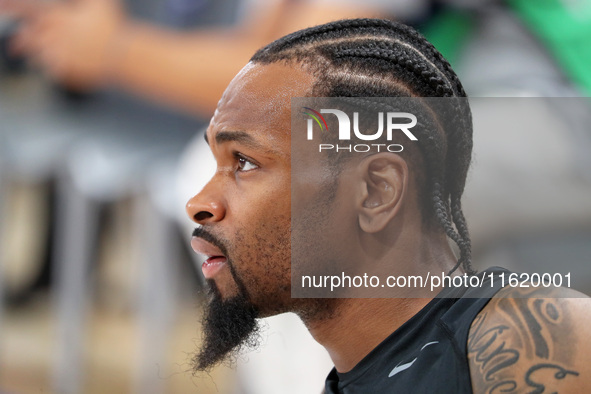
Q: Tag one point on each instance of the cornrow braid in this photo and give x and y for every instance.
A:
(395, 61)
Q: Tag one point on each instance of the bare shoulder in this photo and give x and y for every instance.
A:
(532, 341)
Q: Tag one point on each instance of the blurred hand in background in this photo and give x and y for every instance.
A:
(73, 42)
(88, 44)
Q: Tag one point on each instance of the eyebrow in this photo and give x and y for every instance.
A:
(240, 137)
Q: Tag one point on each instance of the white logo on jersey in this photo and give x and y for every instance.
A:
(399, 368)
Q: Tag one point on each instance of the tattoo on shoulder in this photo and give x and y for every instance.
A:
(519, 344)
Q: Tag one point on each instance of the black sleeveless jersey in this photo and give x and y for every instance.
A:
(427, 354)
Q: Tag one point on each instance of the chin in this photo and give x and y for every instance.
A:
(274, 304)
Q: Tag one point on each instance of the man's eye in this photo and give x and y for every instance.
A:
(245, 164)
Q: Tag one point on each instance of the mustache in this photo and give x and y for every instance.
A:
(201, 232)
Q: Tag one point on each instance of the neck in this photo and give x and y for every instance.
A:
(357, 325)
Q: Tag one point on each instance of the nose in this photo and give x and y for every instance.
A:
(207, 206)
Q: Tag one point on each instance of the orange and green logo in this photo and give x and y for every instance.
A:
(317, 117)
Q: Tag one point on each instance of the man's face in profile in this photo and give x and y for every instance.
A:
(244, 211)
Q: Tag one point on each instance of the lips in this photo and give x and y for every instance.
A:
(216, 260)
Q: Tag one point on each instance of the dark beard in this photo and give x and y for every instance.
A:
(228, 327)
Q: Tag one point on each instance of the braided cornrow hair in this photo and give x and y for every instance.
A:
(381, 58)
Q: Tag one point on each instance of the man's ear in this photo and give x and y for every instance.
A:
(384, 182)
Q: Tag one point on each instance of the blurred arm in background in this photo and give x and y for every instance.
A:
(87, 44)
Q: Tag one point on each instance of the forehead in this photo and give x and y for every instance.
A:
(258, 100)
